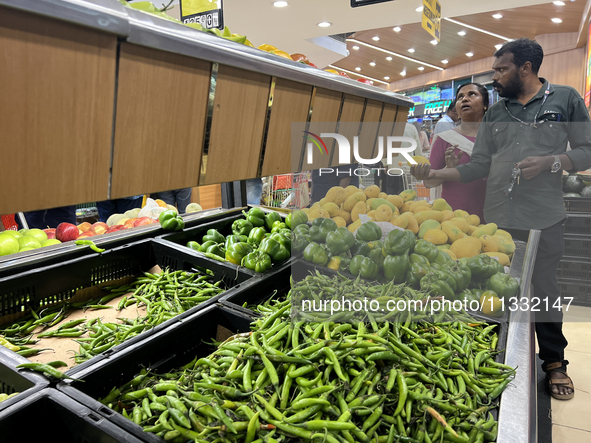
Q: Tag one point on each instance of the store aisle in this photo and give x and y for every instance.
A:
(571, 419)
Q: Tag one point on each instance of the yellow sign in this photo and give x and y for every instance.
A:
(432, 17)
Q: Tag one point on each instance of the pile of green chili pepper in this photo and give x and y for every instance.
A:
(416, 381)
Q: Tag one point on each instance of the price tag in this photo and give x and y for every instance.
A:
(208, 13)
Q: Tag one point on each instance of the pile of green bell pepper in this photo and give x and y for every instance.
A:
(295, 219)
(320, 229)
(398, 242)
(171, 221)
(339, 241)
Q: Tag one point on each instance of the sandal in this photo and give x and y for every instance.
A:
(567, 382)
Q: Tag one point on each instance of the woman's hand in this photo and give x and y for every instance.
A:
(451, 159)
(420, 171)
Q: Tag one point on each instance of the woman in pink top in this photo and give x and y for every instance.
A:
(453, 147)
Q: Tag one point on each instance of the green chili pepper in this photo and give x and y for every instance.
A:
(90, 243)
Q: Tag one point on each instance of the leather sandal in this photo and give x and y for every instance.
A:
(567, 382)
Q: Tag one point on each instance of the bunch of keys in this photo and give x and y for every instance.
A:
(515, 175)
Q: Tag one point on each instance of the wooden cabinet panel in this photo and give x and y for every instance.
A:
(161, 110)
(369, 129)
(349, 123)
(57, 85)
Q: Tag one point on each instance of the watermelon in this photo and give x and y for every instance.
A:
(572, 183)
(586, 192)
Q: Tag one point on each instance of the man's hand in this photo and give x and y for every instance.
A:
(421, 171)
(532, 166)
(451, 159)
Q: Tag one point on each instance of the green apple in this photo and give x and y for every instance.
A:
(26, 249)
(15, 234)
(8, 244)
(28, 242)
(37, 234)
(50, 241)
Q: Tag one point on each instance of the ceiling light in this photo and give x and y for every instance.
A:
(556, 20)
(403, 73)
(462, 33)
(469, 54)
(324, 24)
(464, 25)
(497, 16)
(411, 50)
(396, 29)
(559, 3)
(358, 68)
(434, 42)
(375, 39)
(419, 9)
(421, 68)
(356, 47)
(445, 62)
(386, 78)
(389, 58)
(280, 4)
(372, 64)
(497, 47)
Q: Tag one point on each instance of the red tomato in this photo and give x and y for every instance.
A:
(366, 81)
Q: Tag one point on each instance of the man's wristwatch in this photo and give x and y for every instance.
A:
(556, 165)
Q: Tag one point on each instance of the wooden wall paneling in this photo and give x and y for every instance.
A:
(387, 125)
(161, 109)
(369, 128)
(349, 123)
(291, 104)
(326, 108)
(208, 197)
(240, 107)
(57, 85)
(566, 68)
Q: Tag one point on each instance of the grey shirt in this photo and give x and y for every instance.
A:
(503, 141)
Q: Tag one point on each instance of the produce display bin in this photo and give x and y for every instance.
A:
(579, 224)
(14, 380)
(58, 416)
(60, 282)
(579, 290)
(165, 350)
(577, 205)
(575, 270)
(576, 246)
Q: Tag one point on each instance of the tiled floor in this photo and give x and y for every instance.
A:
(571, 420)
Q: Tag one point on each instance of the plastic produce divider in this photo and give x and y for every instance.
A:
(165, 350)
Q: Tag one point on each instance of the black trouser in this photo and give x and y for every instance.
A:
(548, 324)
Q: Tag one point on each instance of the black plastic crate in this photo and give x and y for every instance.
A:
(578, 270)
(577, 246)
(13, 380)
(580, 291)
(161, 352)
(50, 413)
(578, 224)
(577, 204)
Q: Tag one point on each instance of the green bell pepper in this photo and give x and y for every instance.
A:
(296, 218)
(503, 284)
(278, 226)
(256, 216)
(316, 254)
(436, 286)
(276, 250)
(271, 218)
(416, 272)
(257, 261)
(426, 249)
(284, 240)
(339, 241)
(421, 259)
(368, 232)
(237, 251)
(299, 242)
(482, 267)
(320, 229)
(398, 242)
(377, 256)
(364, 267)
(302, 229)
(443, 258)
(194, 246)
(206, 245)
(214, 235)
(171, 221)
(256, 236)
(396, 267)
(460, 273)
(445, 276)
(216, 249)
(360, 248)
(231, 239)
(338, 263)
(470, 295)
(241, 227)
(377, 244)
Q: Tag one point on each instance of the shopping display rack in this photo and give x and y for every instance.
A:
(289, 191)
(412, 183)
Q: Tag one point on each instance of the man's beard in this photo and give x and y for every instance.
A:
(513, 88)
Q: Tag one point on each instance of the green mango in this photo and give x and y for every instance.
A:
(427, 225)
(376, 203)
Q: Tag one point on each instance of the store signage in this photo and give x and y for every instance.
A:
(432, 18)
(208, 13)
(431, 108)
(355, 3)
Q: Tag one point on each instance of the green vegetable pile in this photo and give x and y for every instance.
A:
(336, 382)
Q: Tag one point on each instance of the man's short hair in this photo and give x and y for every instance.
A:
(523, 50)
(452, 106)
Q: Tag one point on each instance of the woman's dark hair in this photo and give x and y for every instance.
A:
(523, 50)
(481, 88)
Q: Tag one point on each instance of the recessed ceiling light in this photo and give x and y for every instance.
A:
(499, 46)
(396, 29)
(324, 24)
(356, 47)
(469, 54)
(419, 9)
(389, 58)
(421, 68)
(497, 16)
(411, 50)
(559, 3)
(280, 4)
(434, 42)
(462, 33)
(376, 38)
(556, 20)
(358, 68)
(445, 62)
(372, 64)
(386, 78)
